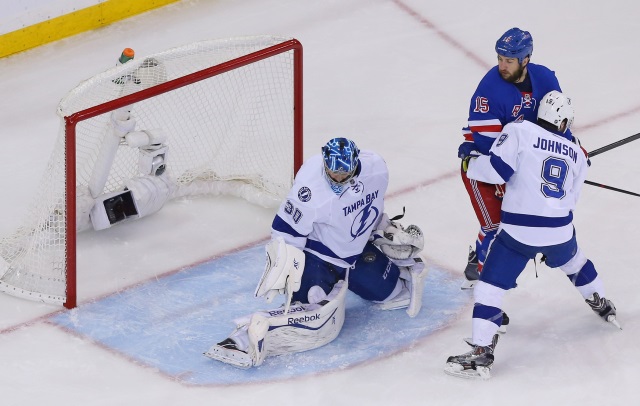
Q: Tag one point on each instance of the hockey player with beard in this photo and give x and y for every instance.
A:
(329, 235)
(544, 173)
(509, 92)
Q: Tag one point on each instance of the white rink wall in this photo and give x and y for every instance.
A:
(23, 13)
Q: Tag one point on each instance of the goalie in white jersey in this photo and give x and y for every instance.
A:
(330, 235)
(544, 173)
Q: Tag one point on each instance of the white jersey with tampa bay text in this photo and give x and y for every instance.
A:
(544, 173)
(333, 227)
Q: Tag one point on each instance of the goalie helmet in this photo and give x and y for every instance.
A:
(340, 156)
(555, 108)
(398, 242)
(515, 43)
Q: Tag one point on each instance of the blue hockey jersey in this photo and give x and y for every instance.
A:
(497, 102)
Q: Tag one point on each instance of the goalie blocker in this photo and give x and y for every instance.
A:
(300, 327)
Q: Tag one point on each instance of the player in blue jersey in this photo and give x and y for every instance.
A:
(544, 173)
(509, 92)
(330, 235)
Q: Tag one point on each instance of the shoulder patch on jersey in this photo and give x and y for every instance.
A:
(528, 101)
(304, 194)
(503, 138)
(356, 187)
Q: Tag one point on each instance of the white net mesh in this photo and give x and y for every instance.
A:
(228, 134)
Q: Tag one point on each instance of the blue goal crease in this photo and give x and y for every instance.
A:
(168, 323)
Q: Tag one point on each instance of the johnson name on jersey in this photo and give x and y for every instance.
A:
(544, 173)
(333, 227)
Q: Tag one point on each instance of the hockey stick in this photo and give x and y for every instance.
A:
(588, 182)
(613, 145)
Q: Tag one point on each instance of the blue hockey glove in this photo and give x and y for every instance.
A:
(466, 148)
(467, 151)
(465, 161)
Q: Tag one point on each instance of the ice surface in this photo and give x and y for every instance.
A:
(396, 76)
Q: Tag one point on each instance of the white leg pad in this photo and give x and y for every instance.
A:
(239, 358)
(410, 297)
(276, 332)
(306, 327)
(257, 332)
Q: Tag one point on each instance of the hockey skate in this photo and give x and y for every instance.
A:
(603, 308)
(471, 273)
(227, 351)
(475, 364)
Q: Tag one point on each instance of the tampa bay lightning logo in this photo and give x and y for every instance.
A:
(304, 194)
(364, 220)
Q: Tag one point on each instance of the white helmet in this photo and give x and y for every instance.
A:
(555, 108)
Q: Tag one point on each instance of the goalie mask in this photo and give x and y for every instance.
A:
(340, 156)
(398, 242)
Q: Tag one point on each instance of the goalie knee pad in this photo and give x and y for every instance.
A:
(412, 279)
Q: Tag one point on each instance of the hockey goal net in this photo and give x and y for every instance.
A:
(212, 117)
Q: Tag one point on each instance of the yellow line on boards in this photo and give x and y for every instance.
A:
(86, 19)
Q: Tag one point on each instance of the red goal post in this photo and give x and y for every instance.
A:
(233, 127)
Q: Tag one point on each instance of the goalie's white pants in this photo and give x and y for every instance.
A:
(304, 327)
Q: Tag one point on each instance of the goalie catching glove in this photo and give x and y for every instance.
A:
(282, 272)
(397, 242)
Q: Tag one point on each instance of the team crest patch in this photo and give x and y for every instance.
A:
(304, 194)
(356, 187)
